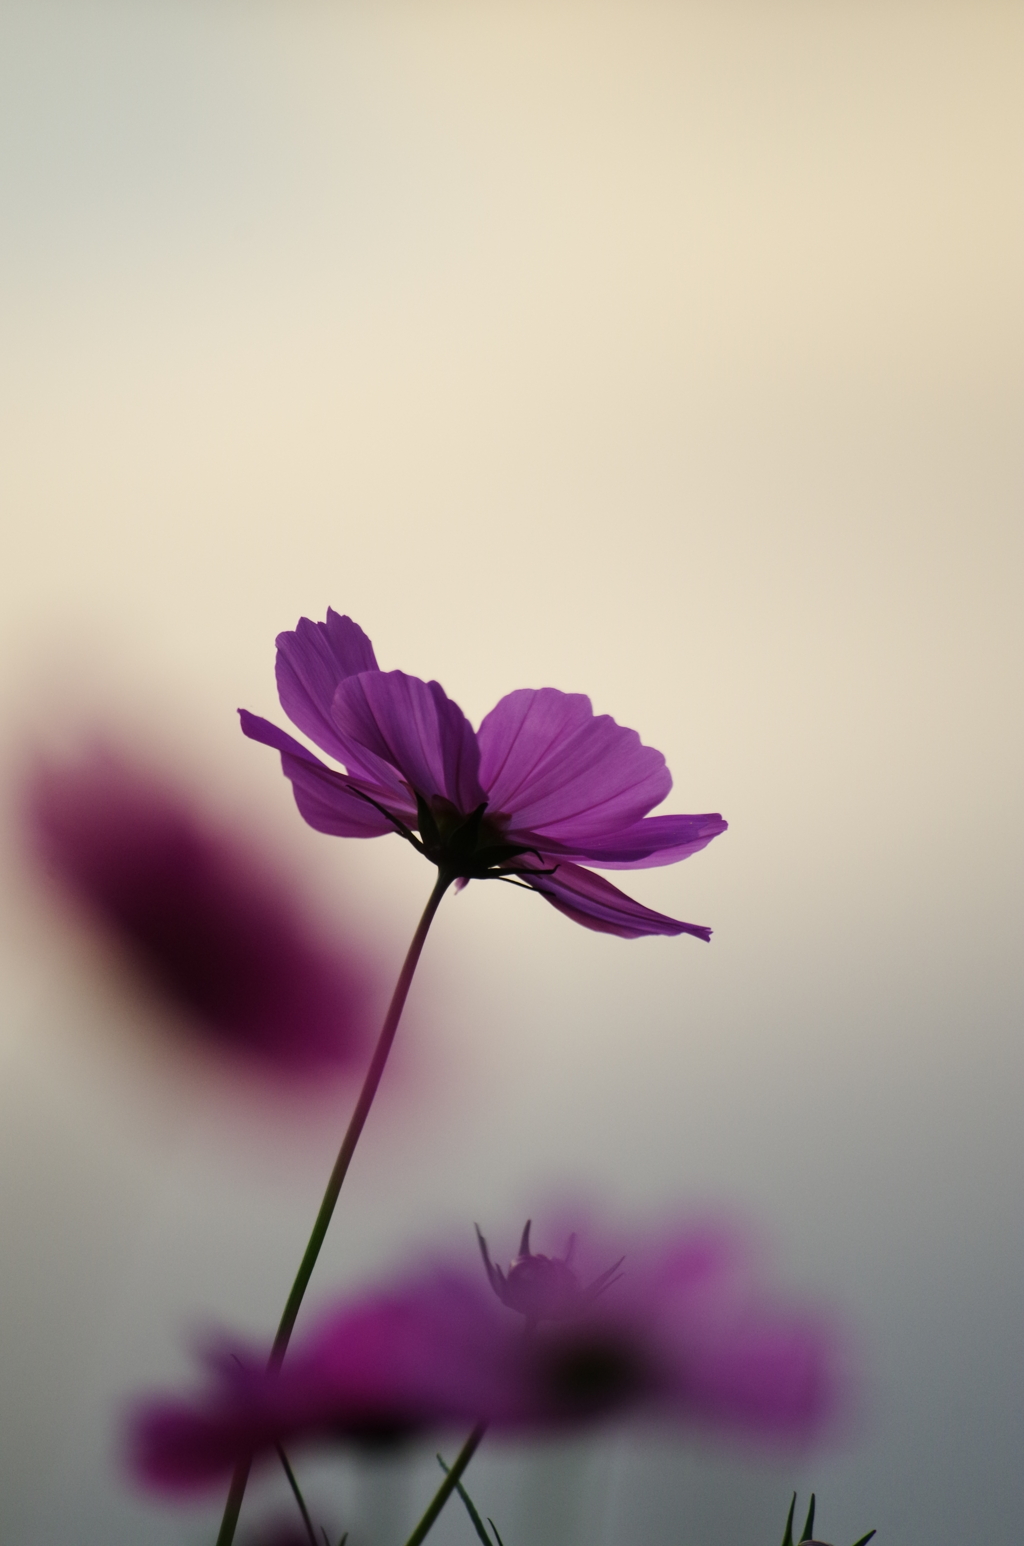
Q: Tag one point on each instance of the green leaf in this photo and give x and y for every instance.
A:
(809, 1526)
(498, 1538)
(787, 1539)
(865, 1538)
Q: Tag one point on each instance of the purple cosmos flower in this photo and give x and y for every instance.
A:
(683, 1334)
(211, 927)
(544, 1288)
(806, 1538)
(543, 788)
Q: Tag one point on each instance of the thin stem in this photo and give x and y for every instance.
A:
(348, 1146)
(358, 1121)
(448, 1486)
(300, 1500)
(233, 1506)
(471, 1509)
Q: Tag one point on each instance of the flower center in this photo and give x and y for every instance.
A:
(591, 1371)
(465, 847)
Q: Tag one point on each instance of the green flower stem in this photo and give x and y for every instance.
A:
(448, 1486)
(470, 1506)
(348, 1145)
(297, 1493)
(358, 1121)
(233, 1506)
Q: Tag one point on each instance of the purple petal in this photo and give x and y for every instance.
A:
(597, 904)
(172, 1447)
(774, 1377)
(686, 1334)
(386, 721)
(325, 798)
(653, 841)
(311, 661)
(557, 770)
(435, 1351)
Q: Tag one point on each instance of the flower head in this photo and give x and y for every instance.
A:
(542, 789)
(544, 1288)
(806, 1537)
(205, 920)
(683, 1335)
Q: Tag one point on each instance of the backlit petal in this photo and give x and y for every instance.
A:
(597, 904)
(558, 770)
(325, 798)
(653, 841)
(385, 719)
(311, 661)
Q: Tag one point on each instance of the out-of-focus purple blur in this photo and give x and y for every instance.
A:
(201, 912)
(687, 1336)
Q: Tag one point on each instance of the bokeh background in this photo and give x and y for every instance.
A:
(666, 352)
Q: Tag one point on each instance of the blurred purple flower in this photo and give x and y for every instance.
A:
(544, 787)
(204, 917)
(544, 1288)
(684, 1334)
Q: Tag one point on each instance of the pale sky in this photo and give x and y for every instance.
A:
(668, 353)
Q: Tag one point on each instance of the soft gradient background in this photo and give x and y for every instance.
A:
(666, 352)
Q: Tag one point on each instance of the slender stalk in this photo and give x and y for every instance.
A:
(233, 1506)
(297, 1492)
(448, 1486)
(358, 1120)
(348, 1146)
(471, 1509)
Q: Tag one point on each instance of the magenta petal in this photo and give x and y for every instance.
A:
(597, 904)
(311, 661)
(206, 921)
(685, 1333)
(437, 1349)
(557, 770)
(174, 1448)
(324, 797)
(771, 1377)
(653, 841)
(387, 720)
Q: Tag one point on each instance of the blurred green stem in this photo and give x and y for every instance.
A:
(297, 1493)
(448, 1486)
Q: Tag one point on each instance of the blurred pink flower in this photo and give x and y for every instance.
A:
(201, 913)
(544, 1288)
(684, 1334)
(542, 790)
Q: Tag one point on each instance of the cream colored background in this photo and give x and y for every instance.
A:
(671, 353)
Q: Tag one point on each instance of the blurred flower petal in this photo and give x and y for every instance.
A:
(210, 925)
(684, 1334)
